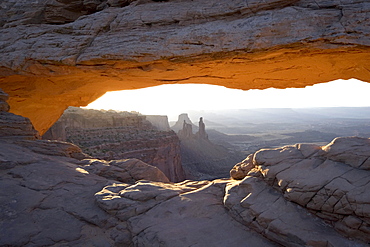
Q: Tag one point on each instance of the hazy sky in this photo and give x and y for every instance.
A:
(175, 99)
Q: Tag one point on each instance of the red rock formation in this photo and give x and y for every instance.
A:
(111, 135)
(14, 126)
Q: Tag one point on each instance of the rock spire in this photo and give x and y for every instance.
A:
(186, 132)
(201, 134)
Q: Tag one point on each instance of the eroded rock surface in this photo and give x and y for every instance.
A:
(237, 44)
(53, 195)
(331, 182)
(129, 170)
(184, 214)
(47, 195)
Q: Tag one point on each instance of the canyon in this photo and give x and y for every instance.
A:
(180, 154)
(56, 54)
(110, 135)
(201, 158)
(53, 194)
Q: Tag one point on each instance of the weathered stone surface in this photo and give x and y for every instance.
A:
(265, 210)
(127, 171)
(47, 195)
(186, 132)
(351, 151)
(183, 214)
(55, 148)
(47, 200)
(4, 106)
(240, 170)
(332, 181)
(14, 126)
(237, 44)
(201, 134)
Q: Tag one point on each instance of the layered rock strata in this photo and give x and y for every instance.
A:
(111, 135)
(14, 126)
(237, 44)
(331, 182)
(159, 122)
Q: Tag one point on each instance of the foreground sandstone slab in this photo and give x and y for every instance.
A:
(52, 198)
(332, 182)
(47, 195)
(184, 214)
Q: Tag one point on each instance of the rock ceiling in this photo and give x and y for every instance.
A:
(55, 55)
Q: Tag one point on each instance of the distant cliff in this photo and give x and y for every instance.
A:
(111, 135)
(160, 122)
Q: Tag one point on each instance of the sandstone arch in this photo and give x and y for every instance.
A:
(238, 44)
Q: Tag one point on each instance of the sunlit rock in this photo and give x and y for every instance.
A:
(330, 181)
(127, 171)
(265, 210)
(182, 214)
(14, 126)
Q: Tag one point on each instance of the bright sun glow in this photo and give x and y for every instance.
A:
(172, 100)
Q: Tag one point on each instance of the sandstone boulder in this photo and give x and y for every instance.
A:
(331, 181)
(54, 148)
(351, 151)
(127, 171)
(240, 170)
